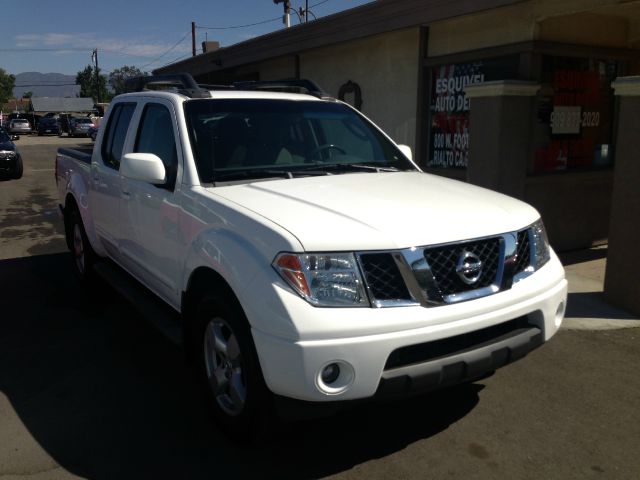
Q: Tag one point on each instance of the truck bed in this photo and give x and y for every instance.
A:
(82, 154)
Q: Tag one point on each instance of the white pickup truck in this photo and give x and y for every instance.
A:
(308, 258)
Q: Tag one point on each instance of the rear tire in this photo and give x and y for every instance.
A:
(83, 255)
(228, 368)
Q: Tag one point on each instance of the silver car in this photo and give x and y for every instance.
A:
(80, 127)
(19, 125)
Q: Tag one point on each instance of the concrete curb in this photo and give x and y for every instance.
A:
(587, 308)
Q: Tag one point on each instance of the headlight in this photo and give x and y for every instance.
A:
(7, 153)
(540, 244)
(323, 279)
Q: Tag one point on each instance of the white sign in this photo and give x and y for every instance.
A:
(566, 120)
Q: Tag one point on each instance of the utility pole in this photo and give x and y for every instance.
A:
(193, 38)
(287, 7)
(94, 57)
(306, 11)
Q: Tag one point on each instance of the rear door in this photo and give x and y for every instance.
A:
(105, 194)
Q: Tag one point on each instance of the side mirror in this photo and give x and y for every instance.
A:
(15, 137)
(406, 150)
(145, 167)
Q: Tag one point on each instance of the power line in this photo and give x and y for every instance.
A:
(45, 85)
(241, 26)
(256, 23)
(30, 49)
(70, 49)
(169, 50)
(177, 60)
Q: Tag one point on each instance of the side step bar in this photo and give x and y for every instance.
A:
(154, 310)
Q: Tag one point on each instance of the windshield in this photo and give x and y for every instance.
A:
(257, 138)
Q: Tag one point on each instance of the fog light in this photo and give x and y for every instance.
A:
(330, 373)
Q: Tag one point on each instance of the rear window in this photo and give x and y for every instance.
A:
(116, 132)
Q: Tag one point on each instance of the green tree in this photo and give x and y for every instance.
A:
(87, 80)
(28, 94)
(119, 76)
(7, 82)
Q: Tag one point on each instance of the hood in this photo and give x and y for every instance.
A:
(375, 211)
(7, 146)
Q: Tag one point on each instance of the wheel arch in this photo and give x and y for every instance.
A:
(203, 280)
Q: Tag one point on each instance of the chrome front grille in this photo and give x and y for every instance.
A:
(443, 261)
(383, 277)
(449, 273)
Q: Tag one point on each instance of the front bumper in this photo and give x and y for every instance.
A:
(8, 164)
(479, 336)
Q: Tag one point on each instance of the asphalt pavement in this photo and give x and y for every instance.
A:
(89, 390)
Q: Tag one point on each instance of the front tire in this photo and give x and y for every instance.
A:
(228, 368)
(18, 169)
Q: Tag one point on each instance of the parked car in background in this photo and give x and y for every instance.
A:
(10, 159)
(48, 126)
(19, 126)
(80, 126)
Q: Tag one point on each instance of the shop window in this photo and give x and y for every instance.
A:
(575, 114)
(449, 107)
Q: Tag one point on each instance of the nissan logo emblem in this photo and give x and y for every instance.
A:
(469, 267)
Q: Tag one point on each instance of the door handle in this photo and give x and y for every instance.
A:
(126, 195)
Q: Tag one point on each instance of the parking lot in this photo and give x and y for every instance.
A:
(89, 390)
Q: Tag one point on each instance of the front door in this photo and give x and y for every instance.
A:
(150, 241)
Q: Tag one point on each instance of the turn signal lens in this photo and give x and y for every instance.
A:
(290, 268)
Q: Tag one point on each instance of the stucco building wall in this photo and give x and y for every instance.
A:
(386, 69)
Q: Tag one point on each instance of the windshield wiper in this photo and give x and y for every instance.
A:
(309, 170)
(252, 173)
(256, 173)
(350, 167)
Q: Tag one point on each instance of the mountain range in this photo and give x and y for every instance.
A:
(46, 85)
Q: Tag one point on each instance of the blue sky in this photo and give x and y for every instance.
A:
(47, 36)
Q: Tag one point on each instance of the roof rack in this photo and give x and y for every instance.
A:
(182, 82)
(295, 85)
(185, 84)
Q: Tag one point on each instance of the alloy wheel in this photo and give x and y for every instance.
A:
(223, 362)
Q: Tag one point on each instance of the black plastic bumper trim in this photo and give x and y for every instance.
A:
(461, 367)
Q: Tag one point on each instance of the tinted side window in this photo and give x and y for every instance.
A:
(155, 135)
(116, 132)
